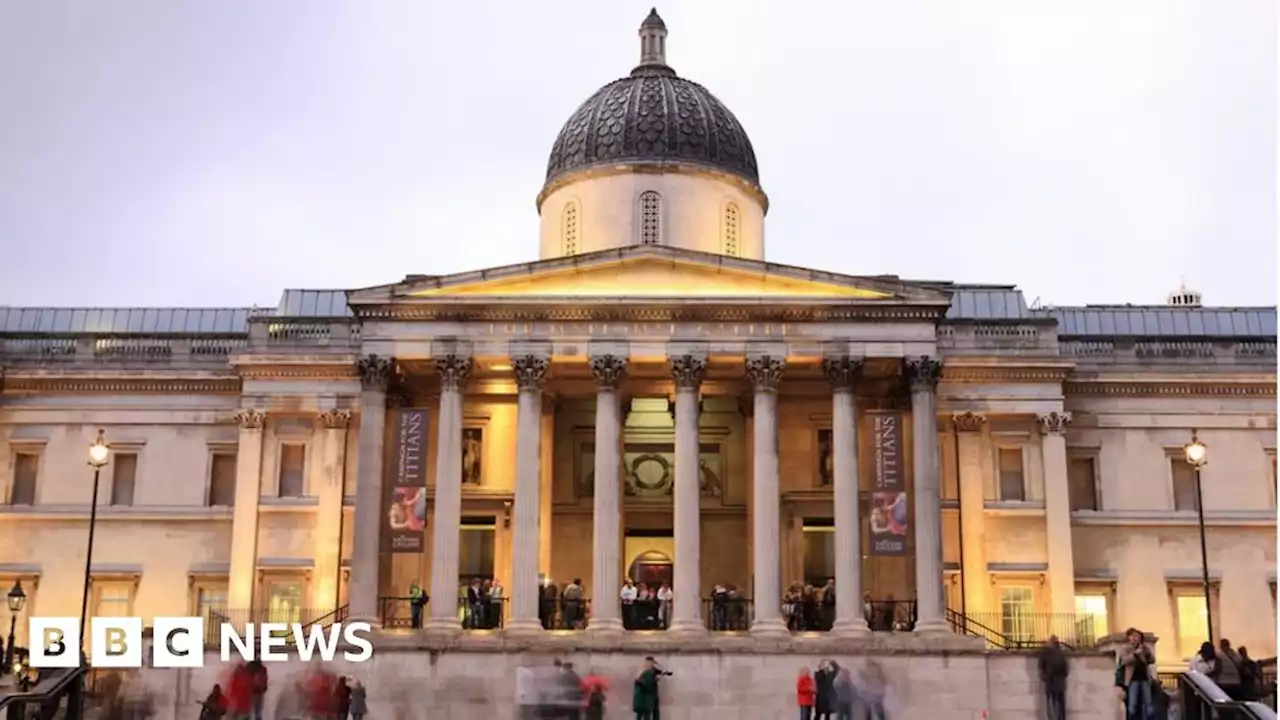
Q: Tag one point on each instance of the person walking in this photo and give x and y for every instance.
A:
(644, 695)
(1054, 669)
(846, 695)
(806, 693)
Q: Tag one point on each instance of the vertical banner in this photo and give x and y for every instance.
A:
(889, 494)
(407, 492)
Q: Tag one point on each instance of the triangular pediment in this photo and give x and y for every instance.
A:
(660, 274)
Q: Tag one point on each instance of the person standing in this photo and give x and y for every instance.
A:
(1054, 669)
(806, 693)
(824, 681)
(644, 695)
(359, 704)
(846, 695)
(627, 596)
(1136, 662)
(1229, 670)
(417, 599)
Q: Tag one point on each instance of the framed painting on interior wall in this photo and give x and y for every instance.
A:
(826, 463)
(473, 456)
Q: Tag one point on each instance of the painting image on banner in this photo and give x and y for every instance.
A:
(407, 501)
(889, 517)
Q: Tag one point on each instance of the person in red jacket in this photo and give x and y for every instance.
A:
(806, 693)
(240, 692)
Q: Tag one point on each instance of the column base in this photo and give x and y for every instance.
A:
(605, 626)
(526, 626)
(770, 628)
(933, 627)
(442, 625)
(850, 628)
(690, 626)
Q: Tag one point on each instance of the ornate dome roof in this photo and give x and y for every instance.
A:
(653, 116)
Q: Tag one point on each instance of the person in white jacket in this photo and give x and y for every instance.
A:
(1205, 662)
(628, 597)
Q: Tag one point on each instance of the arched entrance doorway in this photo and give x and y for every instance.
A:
(653, 568)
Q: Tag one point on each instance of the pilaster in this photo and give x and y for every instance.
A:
(1057, 511)
(244, 524)
(328, 535)
(973, 533)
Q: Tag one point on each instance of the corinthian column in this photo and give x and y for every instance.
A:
(686, 614)
(1057, 510)
(328, 535)
(375, 374)
(454, 371)
(923, 374)
(765, 373)
(609, 370)
(843, 372)
(530, 371)
(244, 522)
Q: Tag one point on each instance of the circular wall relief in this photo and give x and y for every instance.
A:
(652, 474)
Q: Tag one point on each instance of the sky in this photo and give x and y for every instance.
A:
(213, 153)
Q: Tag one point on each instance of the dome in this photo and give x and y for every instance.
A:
(653, 117)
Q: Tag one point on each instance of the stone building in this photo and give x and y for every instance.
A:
(650, 399)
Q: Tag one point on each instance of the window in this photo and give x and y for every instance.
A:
(124, 473)
(222, 480)
(1013, 484)
(1082, 482)
(1091, 612)
(210, 597)
(1184, 484)
(569, 228)
(1017, 608)
(26, 467)
(731, 225)
(1192, 622)
(476, 550)
(112, 598)
(819, 551)
(650, 218)
(284, 599)
(293, 460)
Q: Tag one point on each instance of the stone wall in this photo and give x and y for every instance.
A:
(729, 681)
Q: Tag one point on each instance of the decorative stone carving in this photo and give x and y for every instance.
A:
(1055, 423)
(375, 372)
(530, 370)
(688, 371)
(766, 372)
(250, 419)
(923, 373)
(454, 371)
(335, 419)
(842, 372)
(968, 422)
(609, 370)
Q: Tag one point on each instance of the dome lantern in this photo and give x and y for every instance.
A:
(653, 43)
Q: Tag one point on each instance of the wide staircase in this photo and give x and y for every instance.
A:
(57, 694)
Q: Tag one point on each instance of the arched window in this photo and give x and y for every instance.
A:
(650, 218)
(731, 229)
(569, 228)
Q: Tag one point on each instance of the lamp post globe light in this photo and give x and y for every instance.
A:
(16, 600)
(1197, 456)
(99, 453)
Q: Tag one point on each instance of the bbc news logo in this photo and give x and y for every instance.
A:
(178, 642)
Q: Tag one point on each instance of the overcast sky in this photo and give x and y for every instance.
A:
(214, 152)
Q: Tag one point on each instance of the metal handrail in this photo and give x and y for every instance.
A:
(1202, 699)
(64, 683)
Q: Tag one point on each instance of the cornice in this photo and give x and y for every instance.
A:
(999, 374)
(1169, 388)
(299, 372)
(545, 309)
(123, 385)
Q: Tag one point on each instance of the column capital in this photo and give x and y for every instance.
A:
(923, 373)
(530, 371)
(688, 371)
(375, 372)
(609, 370)
(454, 371)
(766, 372)
(968, 421)
(335, 419)
(1054, 423)
(250, 419)
(842, 372)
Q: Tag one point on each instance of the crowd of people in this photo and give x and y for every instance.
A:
(318, 694)
(645, 607)
(833, 692)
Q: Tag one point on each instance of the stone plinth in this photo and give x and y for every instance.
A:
(472, 675)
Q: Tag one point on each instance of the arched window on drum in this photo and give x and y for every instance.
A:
(731, 229)
(650, 218)
(569, 229)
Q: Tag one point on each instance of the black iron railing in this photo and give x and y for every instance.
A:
(648, 614)
(1033, 629)
(890, 615)
(240, 621)
(484, 614)
(564, 613)
(401, 612)
(965, 625)
(727, 613)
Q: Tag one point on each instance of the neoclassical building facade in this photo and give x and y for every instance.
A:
(652, 400)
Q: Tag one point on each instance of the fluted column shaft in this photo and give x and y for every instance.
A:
(244, 523)
(362, 597)
(454, 371)
(609, 371)
(843, 373)
(1057, 509)
(765, 373)
(530, 371)
(687, 603)
(328, 534)
(924, 373)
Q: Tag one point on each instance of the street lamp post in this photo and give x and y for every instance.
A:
(98, 453)
(16, 599)
(1197, 454)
